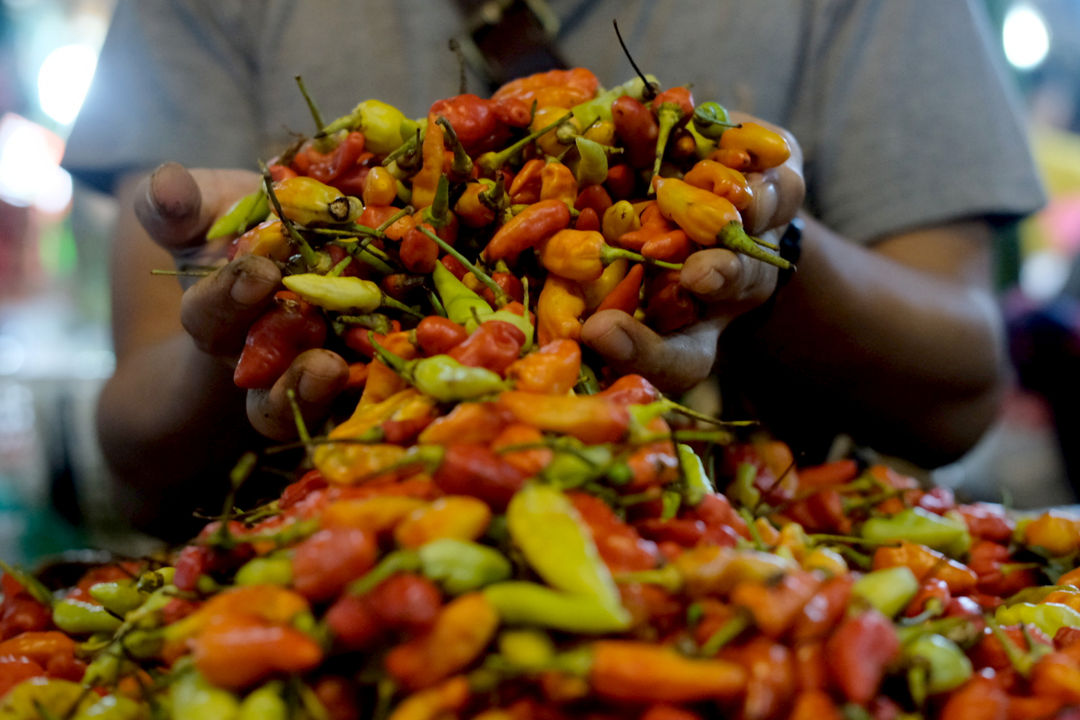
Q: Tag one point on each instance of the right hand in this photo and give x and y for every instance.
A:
(177, 207)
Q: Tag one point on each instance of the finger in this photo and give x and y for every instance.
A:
(218, 310)
(673, 363)
(169, 205)
(718, 275)
(316, 377)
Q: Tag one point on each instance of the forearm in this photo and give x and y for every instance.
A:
(171, 424)
(909, 361)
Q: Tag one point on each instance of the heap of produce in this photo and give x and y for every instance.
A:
(498, 531)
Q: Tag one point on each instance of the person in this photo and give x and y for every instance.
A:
(910, 149)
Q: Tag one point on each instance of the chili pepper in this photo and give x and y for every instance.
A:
(490, 163)
(598, 108)
(619, 544)
(328, 166)
(418, 253)
(587, 220)
(776, 607)
(472, 118)
(510, 285)
(264, 703)
(637, 130)
(888, 590)
(380, 187)
(14, 669)
(552, 369)
(447, 698)
(981, 698)
(337, 293)
(467, 422)
(280, 172)
(1053, 531)
(327, 561)
(307, 201)
(621, 181)
(997, 575)
(634, 671)
(618, 220)
(384, 127)
(592, 166)
(495, 345)
(455, 516)
(438, 335)
(820, 614)
(118, 597)
(241, 215)
(765, 148)
(673, 108)
(284, 331)
(721, 180)
(709, 219)
(462, 305)
(932, 599)
(580, 255)
(192, 696)
(859, 652)
(557, 182)
(559, 310)
(926, 564)
(631, 390)
(460, 566)
(470, 469)
(669, 306)
(272, 570)
(575, 464)
(527, 603)
(595, 198)
(1057, 675)
(544, 524)
(711, 119)
(426, 181)
(376, 216)
(987, 522)
(470, 207)
(78, 617)
(937, 665)
(770, 676)
(597, 290)
(525, 185)
(576, 85)
(374, 515)
(589, 418)
(1048, 617)
(240, 651)
(441, 376)
(815, 704)
(527, 229)
(462, 630)
(919, 526)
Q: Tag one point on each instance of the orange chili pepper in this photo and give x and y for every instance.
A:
(375, 215)
(267, 239)
(770, 676)
(553, 369)
(380, 187)
(597, 290)
(468, 422)
(239, 651)
(376, 515)
(447, 698)
(775, 607)
(580, 255)
(815, 705)
(454, 516)
(645, 672)
(626, 296)
(559, 310)
(1054, 531)
(557, 182)
(765, 148)
(980, 698)
(527, 229)
(858, 653)
(531, 461)
(470, 207)
(525, 186)
(590, 418)
(927, 563)
(573, 86)
(462, 630)
(426, 180)
(721, 180)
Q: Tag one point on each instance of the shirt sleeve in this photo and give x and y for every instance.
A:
(908, 119)
(171, 84)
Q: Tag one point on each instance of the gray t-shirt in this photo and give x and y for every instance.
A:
(901, 107)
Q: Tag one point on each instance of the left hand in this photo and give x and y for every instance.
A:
(729, 284)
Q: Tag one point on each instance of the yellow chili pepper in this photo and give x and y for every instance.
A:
(456, 516)
(557, 182)
(559, 310)
(307, 201)
(618, 220)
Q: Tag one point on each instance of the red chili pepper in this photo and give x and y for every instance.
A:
(859, 652)
(987, 522)
(308, 483)
(376, 215)
(418, 253)
(933, 590)
(627, 294)
(837, 472)
(437, 335)
(637, 130)
(494, 345)
(620, 546)
(19, 612)
(594, 197)
(771, 675)
(587, 220)
(328, 167)
(631, 390)
(509, 283)
(397, 340)
(524, 188)
(276, 338)
(14, 669)
(473, 119)
(980, 698)
(475, 470)
(527, 230)
(990, 561)
(353, 623)
(192, 561)
(811, 673)
(821, 511)
(281, 172)
(327, 561)
(620, 182)
(669, 306)
(512, 111)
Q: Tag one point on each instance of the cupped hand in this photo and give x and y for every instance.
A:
(177, 207)
(728, 285)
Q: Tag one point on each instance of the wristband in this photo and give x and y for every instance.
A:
(790, 250)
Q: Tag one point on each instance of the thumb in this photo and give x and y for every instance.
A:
(170, 206)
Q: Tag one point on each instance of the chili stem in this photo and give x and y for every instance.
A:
(501, 297)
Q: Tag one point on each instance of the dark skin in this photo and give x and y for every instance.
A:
(897, 343)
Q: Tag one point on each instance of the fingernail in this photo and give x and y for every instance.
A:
(618, 345)
(312, 388)
(249, 288)
(702, 282)
(170, 191)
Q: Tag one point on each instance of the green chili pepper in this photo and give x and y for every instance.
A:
(526, 649)
(711, 120)
(742, 488)
(152, 580)
(264, 703)
(947, 534)
(112, 707)
(1048, 617)
(241, 215)
(78, 617)
(193, 698)
(696, 482)
(546, 526)
(460, 566)
(462, 305)
(592, 168)
(273, 569)
(441, 376)
(118, 597)
(393, 563)
(937, 665)
(574, 463)
(531, 604)
(889, 589)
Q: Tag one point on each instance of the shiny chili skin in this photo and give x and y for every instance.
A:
(527, 229)
(436, 335)
(637, 129)
(494, 345)
(477, 471)
(284, 331)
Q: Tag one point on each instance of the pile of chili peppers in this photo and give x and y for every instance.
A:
(497, 533)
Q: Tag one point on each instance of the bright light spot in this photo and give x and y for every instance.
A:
(30, 172)
(1043, 275)
(63, 80)
(12, 355)
(1025, 36)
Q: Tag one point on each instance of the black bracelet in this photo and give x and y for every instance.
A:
(790, 250)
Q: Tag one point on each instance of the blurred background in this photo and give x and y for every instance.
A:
(55, 348)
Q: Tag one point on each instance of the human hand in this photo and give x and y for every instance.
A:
(176, 208)
(727, 283)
